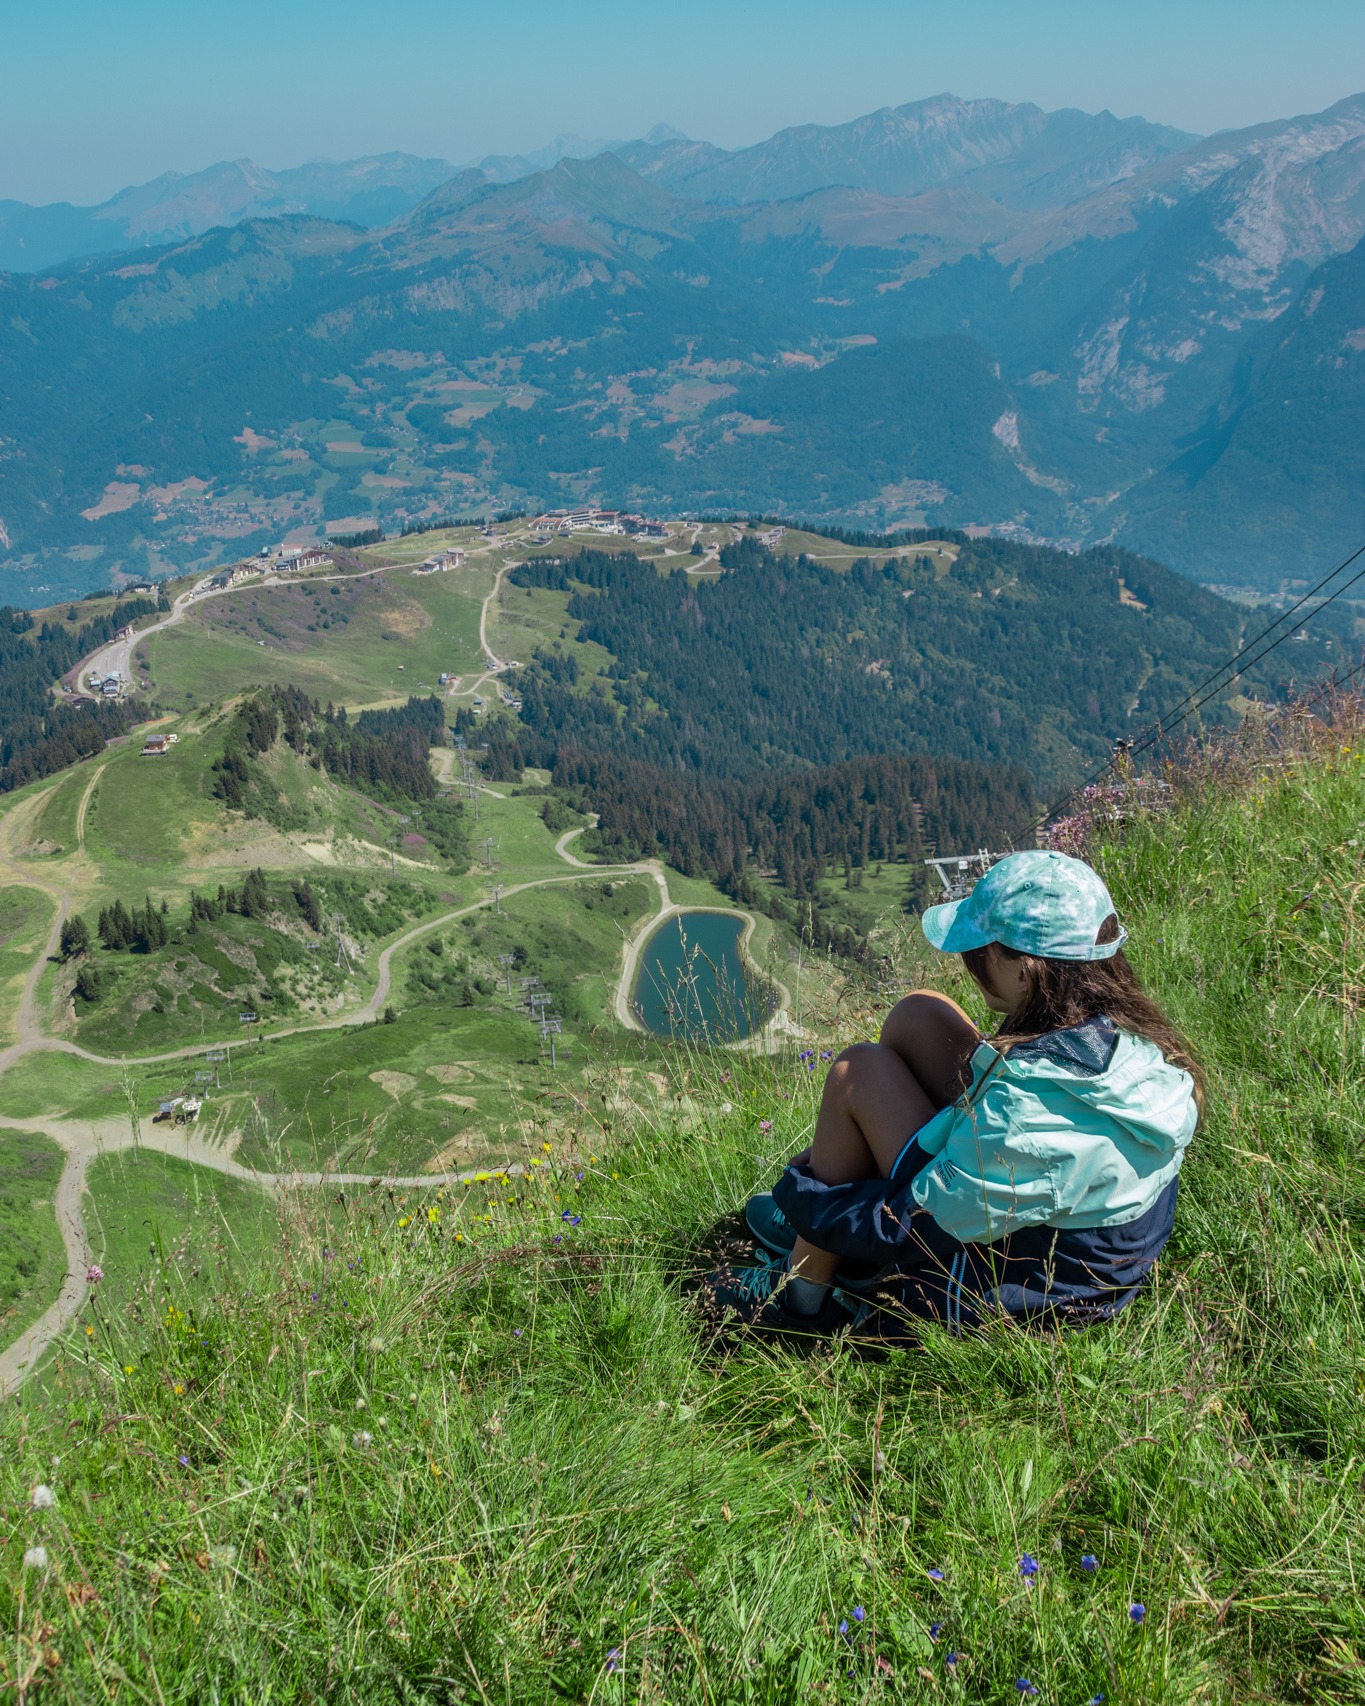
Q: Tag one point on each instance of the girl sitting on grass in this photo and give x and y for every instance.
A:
(953, 1178)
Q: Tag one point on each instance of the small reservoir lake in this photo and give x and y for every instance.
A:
(693, 980)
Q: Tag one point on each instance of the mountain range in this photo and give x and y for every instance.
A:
(1055, 326)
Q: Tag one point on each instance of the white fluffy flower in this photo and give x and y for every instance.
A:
(35, 1558)
(44, 1499)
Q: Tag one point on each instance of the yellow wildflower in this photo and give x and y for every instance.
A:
(405, 1221)
(179, 1390)
(434, 1215)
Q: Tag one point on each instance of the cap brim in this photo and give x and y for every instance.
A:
(947, 929)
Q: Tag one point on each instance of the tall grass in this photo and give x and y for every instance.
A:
(476, 1446)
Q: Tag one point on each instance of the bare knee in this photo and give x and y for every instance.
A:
(923, 1014)
(851, 1066)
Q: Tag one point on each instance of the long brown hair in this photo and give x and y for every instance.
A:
(1062, 993)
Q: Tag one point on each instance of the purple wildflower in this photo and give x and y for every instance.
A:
(1137, 1613)
(935, 1630)
(950, 1659)
(858, 1614)
(613, 1659)
(936, 1575)
(843, 1627)
(1028, 1567)
(1089, 1563)
(827, 1054)
(183, 1461)
(571, 1219)
(94, 1274)
(327, 1254)
(765, 1125)
(516, 1332)
(1024, 1686)
(557, 1239)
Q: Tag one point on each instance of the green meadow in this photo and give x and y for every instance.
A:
(352, 639)
(477, 1443)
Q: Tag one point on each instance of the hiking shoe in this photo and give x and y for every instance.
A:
(773, 1232)
(753, 1297)
(768, 1225)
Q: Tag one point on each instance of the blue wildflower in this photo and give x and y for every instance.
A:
(858, 1614)
(843, 1627)
(936, 1575)
(183, 1461)
(950, 1659)
(1089, 1563)
(571, 1219)
(1024, 1686)
(1095, 1700)
(935, 1630)
(613, 1659)
(1028, 1567)
(1137, 1613)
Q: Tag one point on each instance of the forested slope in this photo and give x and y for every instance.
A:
(1016, 655)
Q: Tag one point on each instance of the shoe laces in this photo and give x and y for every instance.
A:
(756, 1285)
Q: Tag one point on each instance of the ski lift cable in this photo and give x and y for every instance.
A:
(1197, 697)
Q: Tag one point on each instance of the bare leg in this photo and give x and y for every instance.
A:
(934, 1037)
(878, 1095)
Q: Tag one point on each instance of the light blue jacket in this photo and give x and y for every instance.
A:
(1045, 1135)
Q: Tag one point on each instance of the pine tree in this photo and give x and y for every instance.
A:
(255, 901)
(75, 937)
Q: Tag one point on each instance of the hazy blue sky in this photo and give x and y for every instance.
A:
(101, 93)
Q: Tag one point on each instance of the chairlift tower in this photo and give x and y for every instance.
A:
(551, 1028)
(488, 845)
(343, 952)
(959, 873)
(498, 891)
(507, 961)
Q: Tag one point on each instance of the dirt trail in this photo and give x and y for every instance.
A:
(82, 1143)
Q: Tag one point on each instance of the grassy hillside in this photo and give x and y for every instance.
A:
(353, 638)
(32, 1261)
(473, 1444)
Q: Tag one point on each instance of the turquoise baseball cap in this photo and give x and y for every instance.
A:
(1035, 902)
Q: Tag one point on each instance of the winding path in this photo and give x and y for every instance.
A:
(82, 1143)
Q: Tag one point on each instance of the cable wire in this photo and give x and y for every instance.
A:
(1197, 697)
